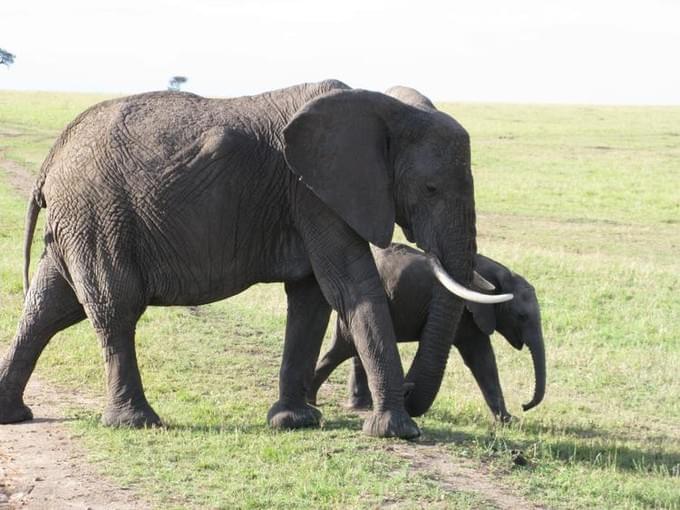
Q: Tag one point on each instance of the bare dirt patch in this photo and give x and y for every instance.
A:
(43, 466)
(456, 474)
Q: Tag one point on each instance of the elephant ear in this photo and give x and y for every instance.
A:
(484, 316)
(338, 145)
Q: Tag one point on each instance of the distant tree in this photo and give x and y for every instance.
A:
(6, 57)
(176, 82)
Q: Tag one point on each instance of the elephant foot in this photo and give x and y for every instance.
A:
(13, 410)
(287, 416)
(359, 403)
(505, 418)
(139, 417)
(391, 424)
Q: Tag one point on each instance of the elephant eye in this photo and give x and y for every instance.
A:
(431, 188)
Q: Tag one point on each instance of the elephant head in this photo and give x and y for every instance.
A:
(376, 160)
(519, 320)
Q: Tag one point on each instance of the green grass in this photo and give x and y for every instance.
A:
(29, 122)
(583, 201)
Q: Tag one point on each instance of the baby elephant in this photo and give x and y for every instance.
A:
(418, 305)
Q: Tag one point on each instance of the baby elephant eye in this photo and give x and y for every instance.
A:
(431, 188)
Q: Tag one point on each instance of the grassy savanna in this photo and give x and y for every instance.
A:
(583, 201)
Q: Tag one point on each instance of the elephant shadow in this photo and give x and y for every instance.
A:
(214, 429)
(353, 423)
(344, 423)
(574, 444)
(35, 421)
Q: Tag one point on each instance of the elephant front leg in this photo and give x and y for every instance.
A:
(371, 328)
(308, 314)
(348, 277)
(477, 353)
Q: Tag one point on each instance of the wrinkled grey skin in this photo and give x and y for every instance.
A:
(413, 297)
(169, 198)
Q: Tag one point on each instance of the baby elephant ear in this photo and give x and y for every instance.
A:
(338, 145)
(484, 316)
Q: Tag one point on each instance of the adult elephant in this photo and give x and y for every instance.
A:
(420, 312)
(169, 198)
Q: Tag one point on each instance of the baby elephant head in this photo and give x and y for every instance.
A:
(518, 320)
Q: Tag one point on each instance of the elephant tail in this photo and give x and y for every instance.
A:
(34, 206)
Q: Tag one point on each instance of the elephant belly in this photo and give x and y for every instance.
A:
(217, 259)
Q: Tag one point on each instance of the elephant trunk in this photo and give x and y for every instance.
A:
(537, 349)
(456, 249)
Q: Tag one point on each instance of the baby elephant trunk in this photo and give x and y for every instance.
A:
(537, 349)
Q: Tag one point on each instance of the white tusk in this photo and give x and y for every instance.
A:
(481, 283)
(461, 291)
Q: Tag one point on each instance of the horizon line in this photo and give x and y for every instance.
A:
(499, 102)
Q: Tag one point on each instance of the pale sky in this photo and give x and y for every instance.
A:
(575, 51)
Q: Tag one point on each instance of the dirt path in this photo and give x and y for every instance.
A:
(43, 466)
(454, 474)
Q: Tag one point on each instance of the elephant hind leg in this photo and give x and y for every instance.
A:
(341, 349)
(113, 302)
(50, 306)
(127, 405)
(357, 383)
